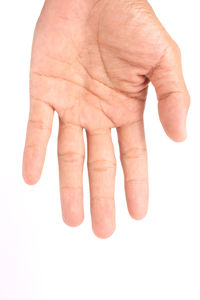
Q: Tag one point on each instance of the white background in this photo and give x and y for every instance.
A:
(43, 259)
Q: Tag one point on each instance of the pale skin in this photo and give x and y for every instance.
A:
(92, 62)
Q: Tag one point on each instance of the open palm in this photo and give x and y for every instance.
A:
(92, 62)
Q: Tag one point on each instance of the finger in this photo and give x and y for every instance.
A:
(172, 93)
(134, 162)
(38, 134)
(102, 168)
(71, 158)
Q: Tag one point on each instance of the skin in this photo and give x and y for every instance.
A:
(92, 62)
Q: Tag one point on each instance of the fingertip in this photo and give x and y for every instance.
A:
(30, 179)
(72, 214)
(175, 128)
(138, 214)
(72, 206)
(104, 232)
(137, 195)
(103, 227)
(103, 217)
(177, 137)
(31, 170)
(73, 221)
(173, 116)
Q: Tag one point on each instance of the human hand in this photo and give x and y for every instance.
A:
(92, 62)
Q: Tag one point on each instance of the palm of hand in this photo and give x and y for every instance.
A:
(92, 63)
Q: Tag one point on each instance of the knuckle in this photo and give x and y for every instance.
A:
(39, 124)
(70, 188)
(102, 199)
(134, 153)
(101, 165)
(71, 156)
(136, 180)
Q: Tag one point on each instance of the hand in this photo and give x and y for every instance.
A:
(92, 62)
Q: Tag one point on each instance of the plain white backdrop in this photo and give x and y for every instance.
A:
(43, 259)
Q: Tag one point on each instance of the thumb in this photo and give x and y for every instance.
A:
(172, 94)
